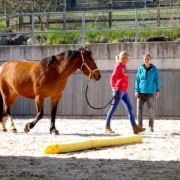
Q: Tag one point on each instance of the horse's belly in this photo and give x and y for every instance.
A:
(26, 95)
(25, 92)
(30, 96)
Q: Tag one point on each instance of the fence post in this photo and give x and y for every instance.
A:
(32, 25)
(145, 3)
(136, 26)
(64, 15)
(83, 28)
(158, 13)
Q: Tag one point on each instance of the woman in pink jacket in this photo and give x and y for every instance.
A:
(119, 84)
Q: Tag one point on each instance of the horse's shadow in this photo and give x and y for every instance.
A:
(69, 134)
(74, 134)
(90, 134)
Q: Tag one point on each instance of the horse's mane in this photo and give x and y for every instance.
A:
(47, 61)
(71, 54)
(68, 55)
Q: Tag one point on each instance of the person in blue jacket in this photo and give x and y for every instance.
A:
(147, 87)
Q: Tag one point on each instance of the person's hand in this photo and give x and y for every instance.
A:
(157, 94)
(114, 91)
(136, 94)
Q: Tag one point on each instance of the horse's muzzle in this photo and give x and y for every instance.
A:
(96, 76)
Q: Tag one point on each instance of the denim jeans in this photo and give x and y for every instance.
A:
(149, 99)
(124, 97)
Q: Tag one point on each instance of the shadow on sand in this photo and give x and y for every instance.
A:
(59, 168)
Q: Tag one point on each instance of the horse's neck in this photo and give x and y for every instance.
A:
(70, 66)
(65, 70)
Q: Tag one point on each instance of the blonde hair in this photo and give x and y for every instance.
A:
(121, 55)
(147, 54)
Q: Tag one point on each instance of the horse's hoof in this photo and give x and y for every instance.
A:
(27, 128)
(54, 132)
(14, 130)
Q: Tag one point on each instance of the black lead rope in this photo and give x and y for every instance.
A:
(98, 108)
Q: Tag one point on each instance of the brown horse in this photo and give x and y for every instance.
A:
(42, 79)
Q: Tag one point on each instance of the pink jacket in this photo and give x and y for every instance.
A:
(119, 77)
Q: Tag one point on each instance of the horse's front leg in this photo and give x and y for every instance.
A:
(54, 104)
(30, 125)
(53, 129)
(39, 106)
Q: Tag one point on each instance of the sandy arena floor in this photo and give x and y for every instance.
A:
(156, 158)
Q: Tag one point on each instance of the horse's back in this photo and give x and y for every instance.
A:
(16, 76)
(13, 64)
(15, 69)
(27, 79)
(18, 66)
(17, 62)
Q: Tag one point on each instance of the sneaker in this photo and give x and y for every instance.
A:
(137, 129)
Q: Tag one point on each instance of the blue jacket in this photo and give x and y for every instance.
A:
(147, 81)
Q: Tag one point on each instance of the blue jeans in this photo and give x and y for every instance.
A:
(124, 97)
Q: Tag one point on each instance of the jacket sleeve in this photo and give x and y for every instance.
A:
(114, 77)
(136, 89)
(157, 80)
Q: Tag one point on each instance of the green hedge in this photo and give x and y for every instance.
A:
(112, 36)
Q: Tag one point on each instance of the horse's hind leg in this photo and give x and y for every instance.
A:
(12, 126)
(7, 114)
(3, 124)
(2, 117)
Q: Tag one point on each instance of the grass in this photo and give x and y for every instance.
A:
(2, 25)
(112, 36)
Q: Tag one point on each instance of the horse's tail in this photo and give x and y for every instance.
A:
(1, 108)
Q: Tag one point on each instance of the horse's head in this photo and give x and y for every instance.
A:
(88, 65)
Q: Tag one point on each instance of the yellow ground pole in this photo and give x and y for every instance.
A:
(91, 143)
